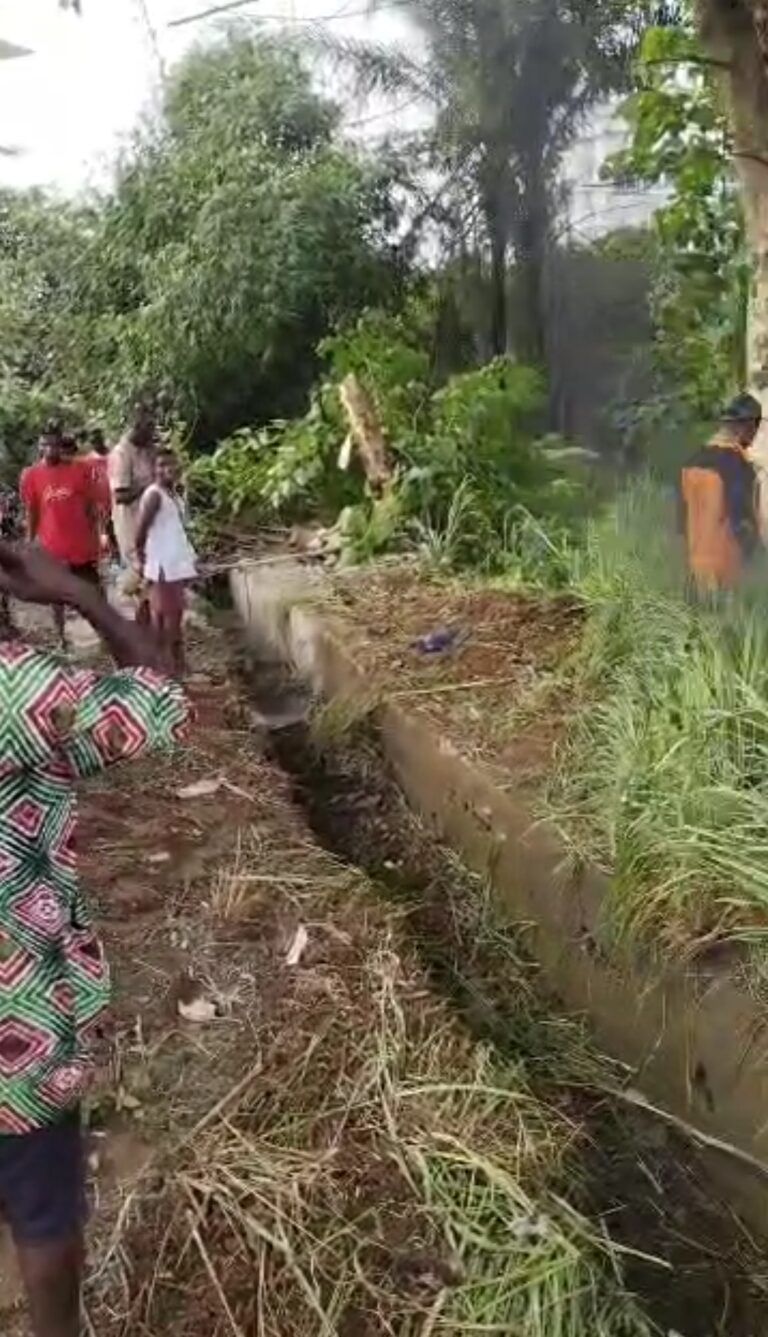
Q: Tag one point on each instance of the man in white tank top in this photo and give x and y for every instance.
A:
(166, 557)
(130, 470)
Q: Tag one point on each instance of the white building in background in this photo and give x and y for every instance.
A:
(595, 206)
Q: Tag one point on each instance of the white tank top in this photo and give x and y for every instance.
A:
(169, 553)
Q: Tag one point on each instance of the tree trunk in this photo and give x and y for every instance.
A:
(530, 245)
(498, 243)
(735, 34)
(365, 432)
(530, 237)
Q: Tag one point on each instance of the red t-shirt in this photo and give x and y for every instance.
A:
(65, 498)
(98, 465)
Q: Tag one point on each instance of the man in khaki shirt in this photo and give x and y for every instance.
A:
(131, 470)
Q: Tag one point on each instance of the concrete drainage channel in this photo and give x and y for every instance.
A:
(655, 1175)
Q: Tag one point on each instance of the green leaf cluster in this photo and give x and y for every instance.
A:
(469, 465)
(680, 140)
(240, 230)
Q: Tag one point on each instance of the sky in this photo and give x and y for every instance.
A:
(68, 106)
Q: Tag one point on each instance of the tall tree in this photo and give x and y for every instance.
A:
(735, 36)
(511, 82)
(240, 230)
(679, 138)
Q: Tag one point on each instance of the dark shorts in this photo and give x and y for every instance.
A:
(89, 572)
(42, 1182)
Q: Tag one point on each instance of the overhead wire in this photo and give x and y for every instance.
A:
(214, 10)
(147, 22)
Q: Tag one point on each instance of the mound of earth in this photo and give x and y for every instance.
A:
(486, 665)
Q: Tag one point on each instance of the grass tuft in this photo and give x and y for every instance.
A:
(664, 777)
(376, 1171)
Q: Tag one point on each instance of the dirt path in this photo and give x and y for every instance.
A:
(151, 863)
(302, 1136)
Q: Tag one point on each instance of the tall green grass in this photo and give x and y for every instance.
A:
(664, 776)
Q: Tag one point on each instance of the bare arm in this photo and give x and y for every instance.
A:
(123, 488)
(149, 510)
(31, 575)
(126, 496)
(28, 498)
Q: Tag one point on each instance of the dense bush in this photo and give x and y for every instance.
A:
(469, 469)
(241, 230)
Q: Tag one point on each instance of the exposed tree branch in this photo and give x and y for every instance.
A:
(750, 156)
(706, 61)
(210, 12)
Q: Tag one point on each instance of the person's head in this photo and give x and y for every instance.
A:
(52, 443)
(741, 419)
(96, 441)
(143, 426)
(166, 468)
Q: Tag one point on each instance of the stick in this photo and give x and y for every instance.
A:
(638, 1101)
(210, 1269)
(452, 687)
(215, 1110)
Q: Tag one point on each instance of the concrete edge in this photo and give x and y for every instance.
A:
(697, 1044)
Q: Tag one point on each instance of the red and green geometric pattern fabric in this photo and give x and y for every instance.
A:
(58, 724)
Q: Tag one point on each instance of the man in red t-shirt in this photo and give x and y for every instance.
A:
(61, 500)
(97, 458)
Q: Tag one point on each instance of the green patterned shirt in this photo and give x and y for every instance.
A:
(57, 724)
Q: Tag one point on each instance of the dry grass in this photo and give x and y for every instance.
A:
(370, 1169)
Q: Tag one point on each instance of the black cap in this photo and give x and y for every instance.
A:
(744, 408)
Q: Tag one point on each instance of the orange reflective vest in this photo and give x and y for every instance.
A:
(718, 496)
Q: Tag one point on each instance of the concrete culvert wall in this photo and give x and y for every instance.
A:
(694, 1043)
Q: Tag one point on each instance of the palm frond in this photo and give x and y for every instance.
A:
(376, 68)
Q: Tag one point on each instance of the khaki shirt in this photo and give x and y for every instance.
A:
(128, 467)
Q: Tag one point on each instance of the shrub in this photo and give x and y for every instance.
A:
(470, 476)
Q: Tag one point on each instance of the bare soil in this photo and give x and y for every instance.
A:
(498, 688)
(201, 896)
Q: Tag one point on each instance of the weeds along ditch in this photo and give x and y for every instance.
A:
(671, 1258)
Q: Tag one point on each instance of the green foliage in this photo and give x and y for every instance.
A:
(23, 410)
(664, 778)
(41, 248)
(240, 231)
(470, 474)
(680, 140)
(388, 352)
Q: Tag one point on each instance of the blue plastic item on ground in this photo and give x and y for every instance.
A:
(436, 642)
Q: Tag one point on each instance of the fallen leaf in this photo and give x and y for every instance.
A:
(199, 1010)
(201, 788)
(298, 946)
(235, 789)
